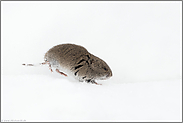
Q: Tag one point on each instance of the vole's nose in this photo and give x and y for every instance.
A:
(109, 75)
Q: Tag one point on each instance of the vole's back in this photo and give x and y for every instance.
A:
(66, 55)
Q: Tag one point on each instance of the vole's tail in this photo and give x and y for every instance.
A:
(38, 64)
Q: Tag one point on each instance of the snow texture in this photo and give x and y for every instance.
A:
(140, 41)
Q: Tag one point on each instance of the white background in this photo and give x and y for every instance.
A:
(140, 41)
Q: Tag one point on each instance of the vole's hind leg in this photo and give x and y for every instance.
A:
(50, 68)
(47, 62)
(61, 72)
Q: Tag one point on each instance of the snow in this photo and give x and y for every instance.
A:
(140, 41)
(45, 98)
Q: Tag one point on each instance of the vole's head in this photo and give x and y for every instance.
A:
(100, 69)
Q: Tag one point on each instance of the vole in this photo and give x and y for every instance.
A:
(76, 61)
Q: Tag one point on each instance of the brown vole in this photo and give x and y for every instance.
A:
(76, 61)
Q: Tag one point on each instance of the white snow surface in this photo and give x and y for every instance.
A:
(140, 41)
(46, 98)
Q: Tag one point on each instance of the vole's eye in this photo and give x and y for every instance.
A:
(105, 68)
